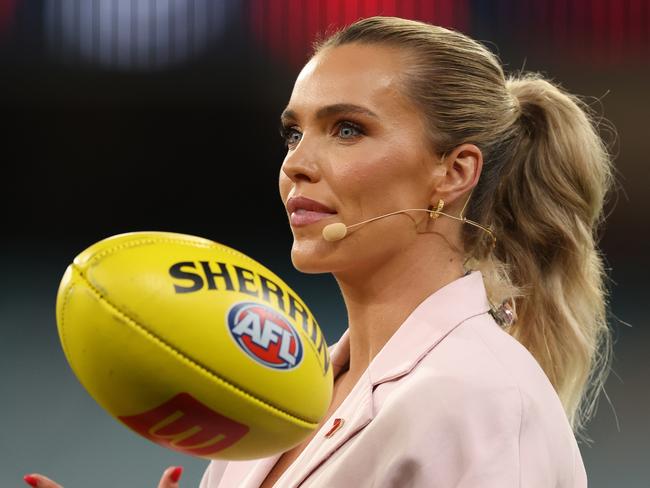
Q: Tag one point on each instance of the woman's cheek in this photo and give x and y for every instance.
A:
(362, 169)
(372, 175)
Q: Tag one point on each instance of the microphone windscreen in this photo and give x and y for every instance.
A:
(334, 232)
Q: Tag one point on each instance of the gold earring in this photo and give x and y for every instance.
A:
(436, 213)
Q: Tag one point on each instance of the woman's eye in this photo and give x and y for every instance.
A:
(344, 130)
(347, 130)
(290, 135)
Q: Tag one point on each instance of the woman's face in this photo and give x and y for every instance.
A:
(357, 145)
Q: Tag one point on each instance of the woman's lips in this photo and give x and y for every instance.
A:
(302, 217)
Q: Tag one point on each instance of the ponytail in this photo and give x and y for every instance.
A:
(546, 211)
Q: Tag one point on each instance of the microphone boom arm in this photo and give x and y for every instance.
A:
(344, 229)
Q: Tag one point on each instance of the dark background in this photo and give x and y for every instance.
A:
(133, 115)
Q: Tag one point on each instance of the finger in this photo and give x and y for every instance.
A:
(170, 477)
(40, 481)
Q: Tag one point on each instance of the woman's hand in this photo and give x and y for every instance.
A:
(169, 479)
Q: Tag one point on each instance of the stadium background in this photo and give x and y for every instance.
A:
(123, 115)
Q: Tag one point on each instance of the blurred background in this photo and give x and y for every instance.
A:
(125, 115)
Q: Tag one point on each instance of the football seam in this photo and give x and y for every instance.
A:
(66, 297)
(185, 357)
(153, 240)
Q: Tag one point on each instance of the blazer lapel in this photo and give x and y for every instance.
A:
(356, 412)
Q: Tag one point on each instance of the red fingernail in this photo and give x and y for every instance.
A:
(30, 480)
(176, 474)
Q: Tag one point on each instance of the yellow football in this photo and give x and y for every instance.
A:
(194, 345)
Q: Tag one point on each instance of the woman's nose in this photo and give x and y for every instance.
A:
(300, 165)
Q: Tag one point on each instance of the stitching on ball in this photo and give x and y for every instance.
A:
(174, 351)
(168, 240)
(64, 307)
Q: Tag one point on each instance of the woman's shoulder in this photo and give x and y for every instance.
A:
(480, 401)
(477, 364)
(479, 379)
(469, 369)
(480, 355)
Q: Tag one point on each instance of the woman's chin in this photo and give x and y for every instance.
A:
(310, 256)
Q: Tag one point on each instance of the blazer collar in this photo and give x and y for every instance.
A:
(427, 325)
(422, 330)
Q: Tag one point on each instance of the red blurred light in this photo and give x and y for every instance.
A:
(590, 32)
(7, 9)
(287, 28)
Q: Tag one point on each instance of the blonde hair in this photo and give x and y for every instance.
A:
(545, 176)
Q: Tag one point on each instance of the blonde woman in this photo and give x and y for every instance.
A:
(476, 342)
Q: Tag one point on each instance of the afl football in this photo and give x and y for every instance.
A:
(194, 345)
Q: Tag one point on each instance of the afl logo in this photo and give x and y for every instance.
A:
(265, 335)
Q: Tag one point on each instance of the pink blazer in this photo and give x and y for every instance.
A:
(451, 400)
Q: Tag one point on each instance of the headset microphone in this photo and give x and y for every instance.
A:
(338, 230)
(334, 232)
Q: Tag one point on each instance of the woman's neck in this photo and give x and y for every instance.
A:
(379, 298)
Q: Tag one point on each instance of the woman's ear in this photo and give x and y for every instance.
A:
(462, 168)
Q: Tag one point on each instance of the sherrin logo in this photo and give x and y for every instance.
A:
(265, 335)
(219, 277)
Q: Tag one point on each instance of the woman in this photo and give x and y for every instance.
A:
(436, 384)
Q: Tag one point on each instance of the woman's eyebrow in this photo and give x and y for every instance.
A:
(330, 110)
